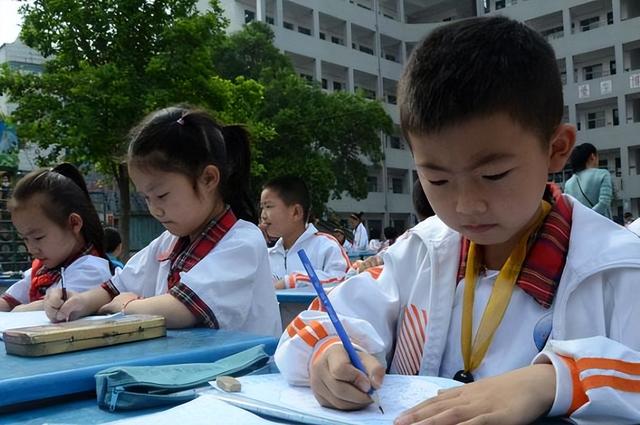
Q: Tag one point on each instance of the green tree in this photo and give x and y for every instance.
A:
(109, 63)
(327, 138)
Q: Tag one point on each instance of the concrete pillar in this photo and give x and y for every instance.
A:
(350, 83)
(566, 21)
(279, 13)
(316, 23)
(400, 9)
(317, 69)
(261, 10)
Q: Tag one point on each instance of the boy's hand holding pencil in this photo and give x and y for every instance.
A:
(336, 383)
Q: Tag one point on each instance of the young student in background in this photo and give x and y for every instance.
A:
(474, 292)
(285, 203)
(53, 213)
(423, 210)
(113, 246)
(341, 237)
(211, 266)
(360, 235)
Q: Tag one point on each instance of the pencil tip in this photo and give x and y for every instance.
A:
(380, 407)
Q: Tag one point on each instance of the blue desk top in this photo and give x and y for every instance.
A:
(24, 379)
(360, 255)
(296, 295)
(5, 282)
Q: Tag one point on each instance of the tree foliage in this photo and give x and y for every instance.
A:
(329, 139)
(109, 62)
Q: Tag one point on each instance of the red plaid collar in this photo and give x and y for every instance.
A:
(186, 254)
(42, 277)
(543, 266)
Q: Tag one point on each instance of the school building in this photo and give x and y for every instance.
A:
(364, 44)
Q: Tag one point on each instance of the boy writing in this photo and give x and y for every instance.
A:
(474, 293)
(285, 203)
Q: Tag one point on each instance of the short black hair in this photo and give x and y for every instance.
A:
(112, 239)
(292, 190)
(477, 67)
(580, 156)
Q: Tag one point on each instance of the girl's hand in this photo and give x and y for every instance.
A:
(279, 284)
(336, 383)
(58, 310)
(118, 303)
(517, 397)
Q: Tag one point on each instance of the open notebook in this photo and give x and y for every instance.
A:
(271, 396)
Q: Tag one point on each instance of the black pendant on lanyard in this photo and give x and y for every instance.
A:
(463, 376)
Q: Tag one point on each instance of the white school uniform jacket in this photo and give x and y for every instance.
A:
(233, 279)
(87, 272)
(594, 343)
(360, 238)
(328, 257)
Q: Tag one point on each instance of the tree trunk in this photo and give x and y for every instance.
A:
(122, 177)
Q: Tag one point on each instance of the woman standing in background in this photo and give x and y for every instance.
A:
(589, 184)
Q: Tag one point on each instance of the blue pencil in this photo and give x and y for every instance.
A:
(346, 342)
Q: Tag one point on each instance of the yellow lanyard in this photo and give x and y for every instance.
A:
(499, 299)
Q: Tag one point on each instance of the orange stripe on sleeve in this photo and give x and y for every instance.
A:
(615, 382)
(579, 395)
(375, 272)
(307, 337)
(324, 346)
(630, 368)
(319, 329)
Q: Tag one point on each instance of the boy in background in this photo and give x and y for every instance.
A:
(523, 293)
(285, 203)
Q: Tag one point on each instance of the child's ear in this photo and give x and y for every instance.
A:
(560, 147)
(210, 177)
(75, 223)
(298, 212)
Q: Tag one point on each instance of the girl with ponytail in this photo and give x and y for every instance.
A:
(52, 211)
(211, 266)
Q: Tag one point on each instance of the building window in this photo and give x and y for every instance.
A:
(304, 30)
(287, 25)
(369, 94)
(609, 18)
(324, 83)
(616, 118)
(372, 184)
(595, 119)
(589, 23)
(593, 71)
(553, 33)
(390, 57)
(618, 167)
(337, 40)
(392, 99)
(612, 67)
(500, 4)
(366, 49)
(307, 77)
(397, 185)
(249, 16)
(395, 142)
(323, 36)
(337, 86)
(270, 20)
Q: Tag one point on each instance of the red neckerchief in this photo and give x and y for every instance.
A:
(186, 254)
(543, 266)
(42, 277)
